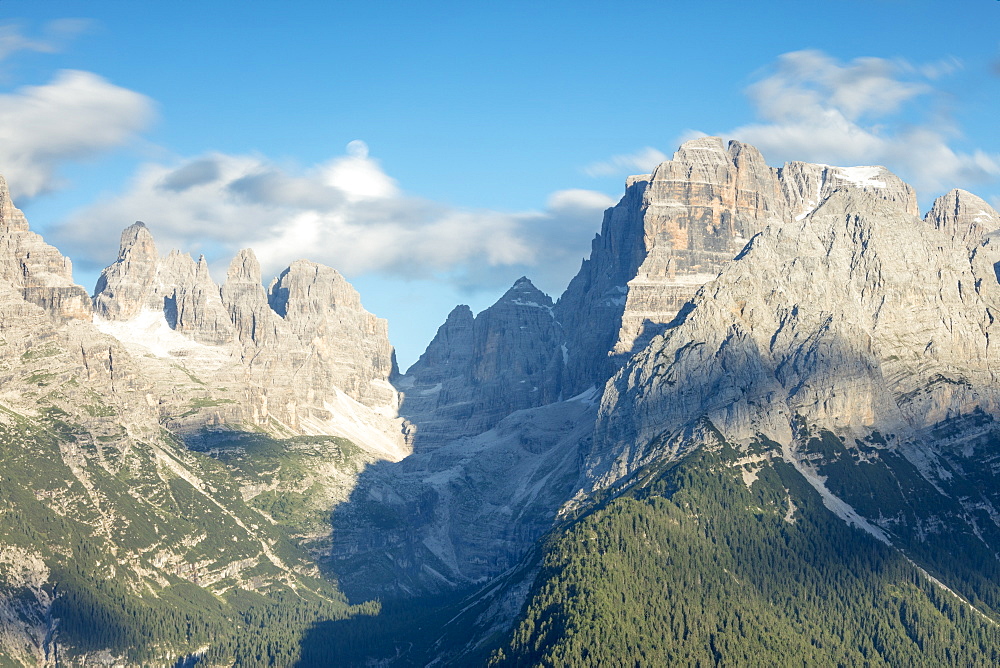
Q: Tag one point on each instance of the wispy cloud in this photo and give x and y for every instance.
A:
(346, 212)
(817, 109)
(640, 162)
(54, 37)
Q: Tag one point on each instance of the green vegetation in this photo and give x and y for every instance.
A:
(199, 403)
(41, 352)
(134, 516)
(293, 494)
(691, 568)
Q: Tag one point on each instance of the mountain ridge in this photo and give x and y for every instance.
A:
(795, 338)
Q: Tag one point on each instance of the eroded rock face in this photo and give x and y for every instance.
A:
(324, 312)
(462, 512)
(671, 233)
(35, 269)
(675, 230)
(964, 217)
(478, 370)
(856, 318)
(303, 357)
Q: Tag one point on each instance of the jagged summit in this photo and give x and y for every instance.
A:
(964, 217)
(302, 356)
(479, 369)
(524, 293)
(36, 270)
(857, 319)
(11, 218)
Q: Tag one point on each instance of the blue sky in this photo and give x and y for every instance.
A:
(435, 152)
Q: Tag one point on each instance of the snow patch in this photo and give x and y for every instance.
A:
(364, 426)
(521, 302)
(812, 207)
(588, 396)
(834, 504)
(149, 333)
(861, 176)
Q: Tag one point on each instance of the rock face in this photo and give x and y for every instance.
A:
(672, 232)
(463, 511)
(35, 269)
(858, 320)
(964, 217)
(303, 357)
(478, 370)
(324, 312)
(96, 494)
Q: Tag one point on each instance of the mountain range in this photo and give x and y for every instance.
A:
(759, 426)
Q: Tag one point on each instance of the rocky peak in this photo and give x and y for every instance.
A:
(198, 310)
(137, 244)
(964, 217)
(306, 289)
(129, 284)
(11, 218)
(671, 232)
(478, 370)
(325, 315)
(35, 269)
(450, 351)
(524, 293)
(806, 185)
(856, 318)
(244, 297)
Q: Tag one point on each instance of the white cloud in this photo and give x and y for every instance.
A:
(576, 198)
(642, 161)
(816, 109)
(55, 34)
(347, 213)
(76, 116)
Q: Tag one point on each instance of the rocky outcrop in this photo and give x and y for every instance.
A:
(301, 357)
(857, 318)
(671, 233)
(35, 269)
(478, 370)
(324, 313)
(964, 217)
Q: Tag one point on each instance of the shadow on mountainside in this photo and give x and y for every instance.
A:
(404, 530)
(457, 513)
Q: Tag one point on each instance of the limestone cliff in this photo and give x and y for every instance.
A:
(672, 232)
(35, 269)
(478, 370)
(857, 319)
(301, 358)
